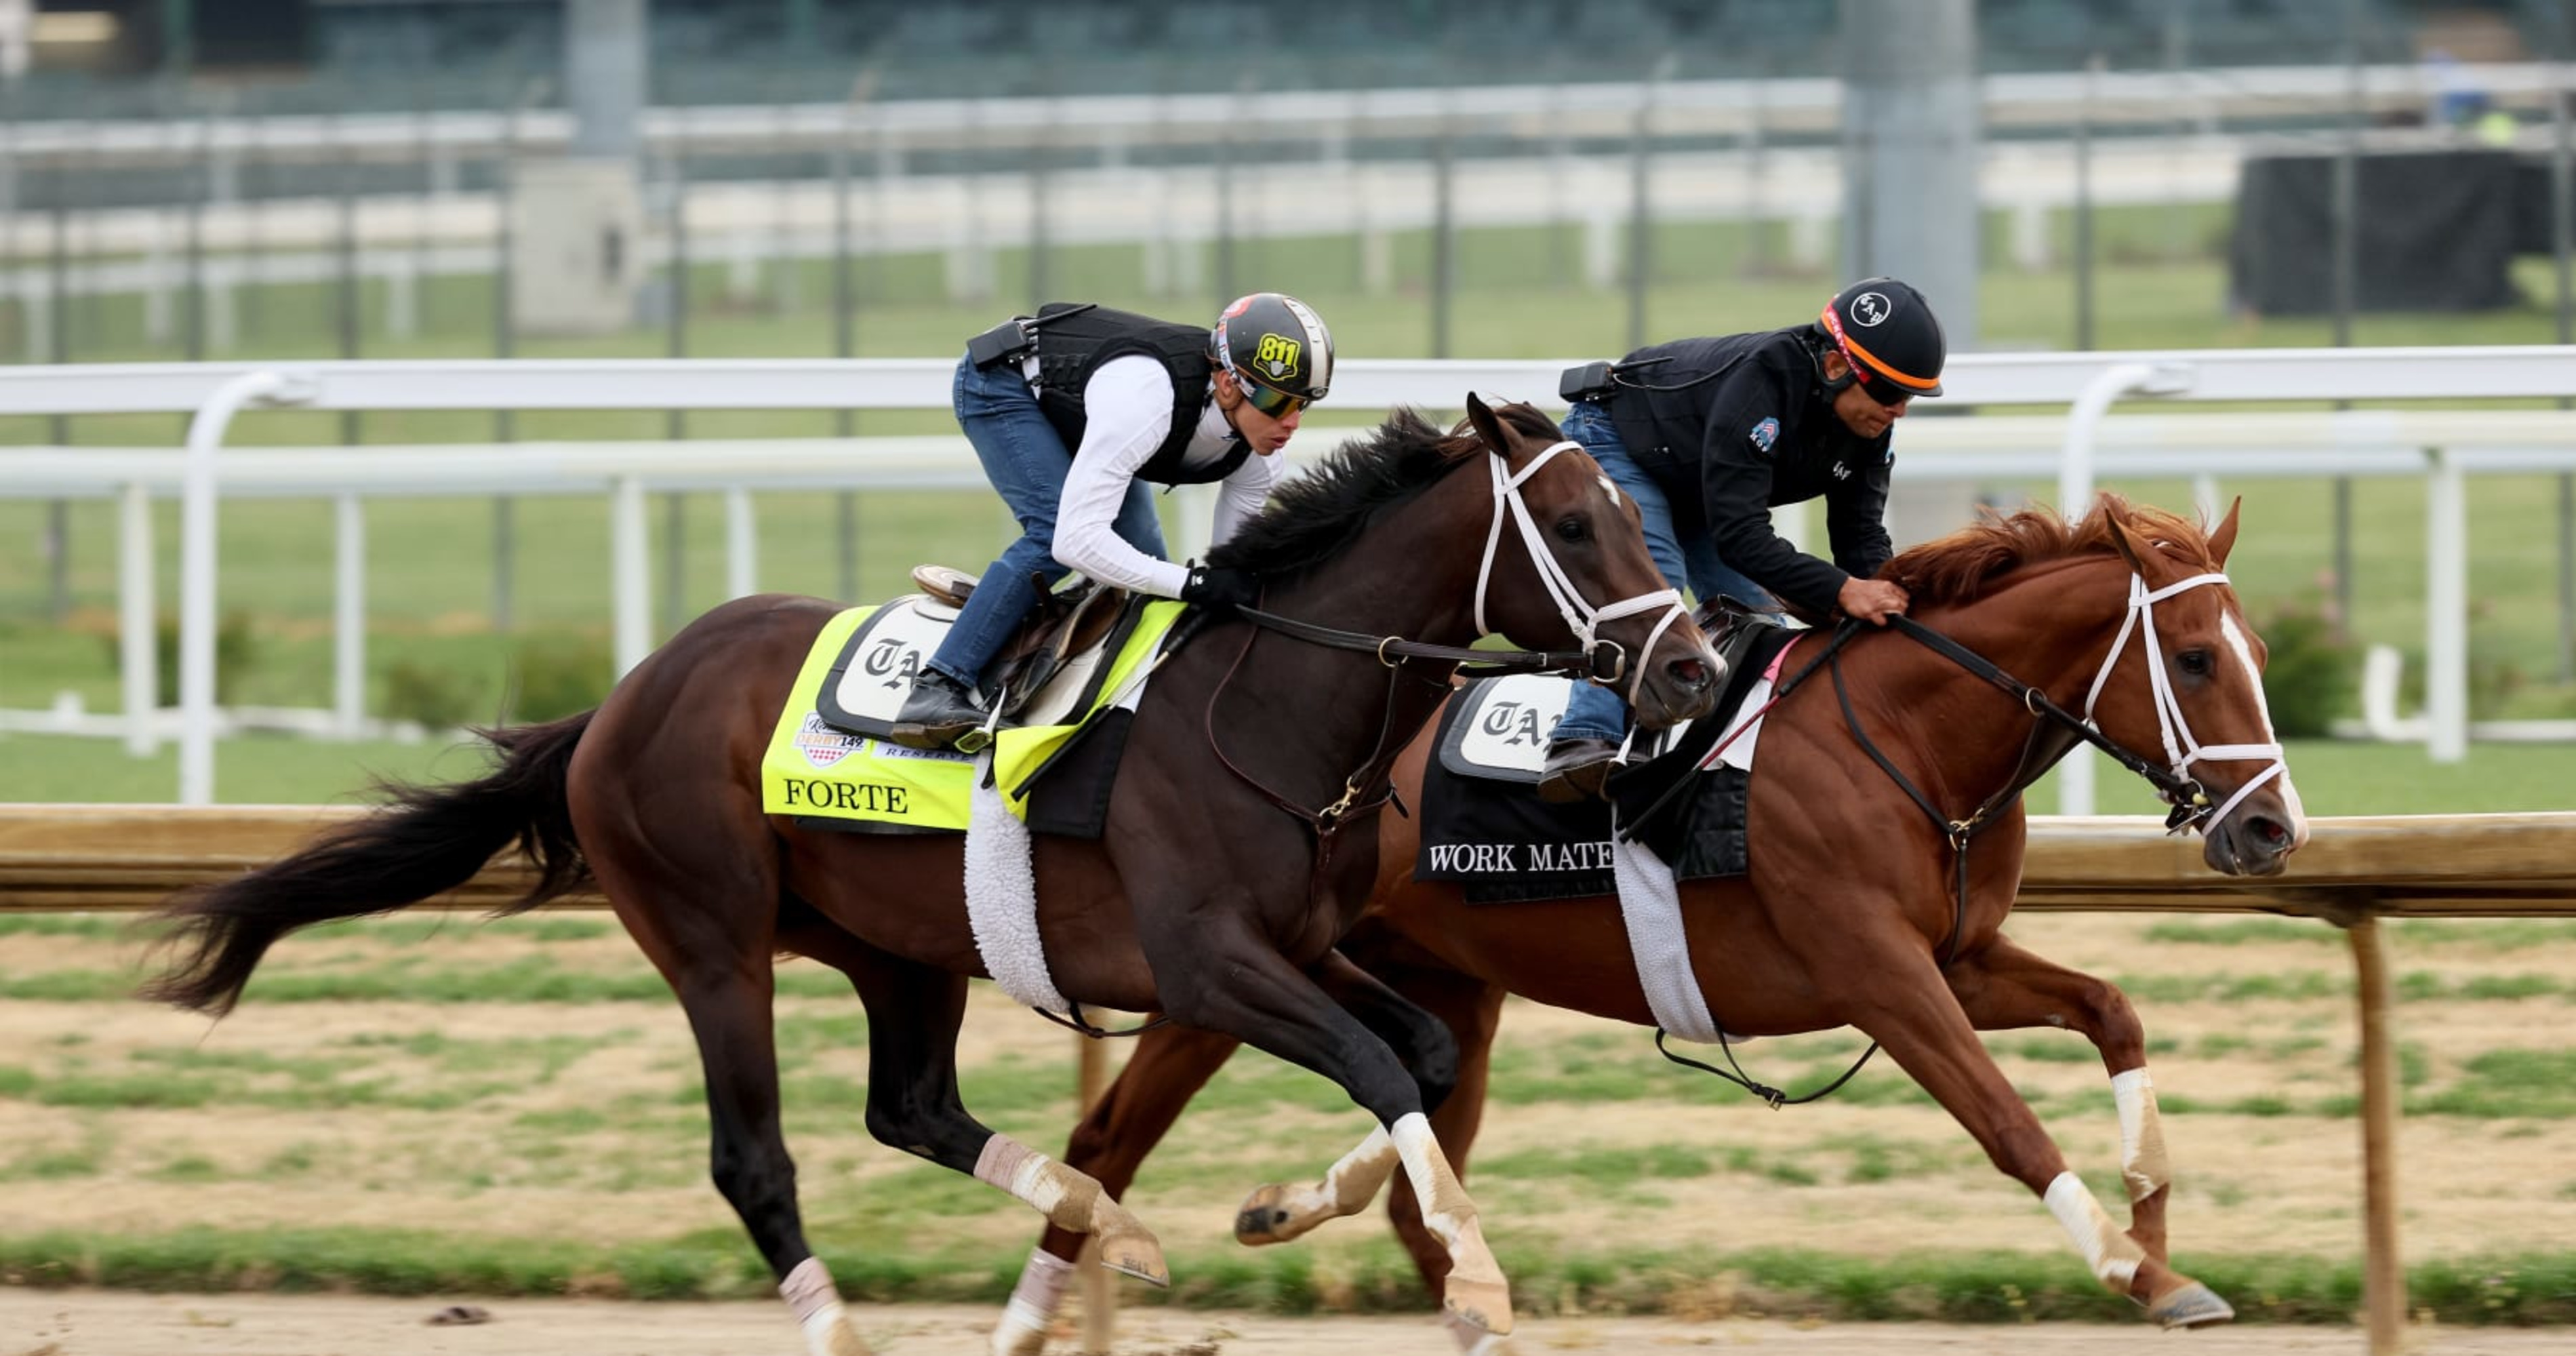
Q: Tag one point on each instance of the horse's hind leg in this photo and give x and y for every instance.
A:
(1910, 1011)
(1423, 1042)
(1167, 1068)
(720, 968)
(2004, 988)
(914, 1011)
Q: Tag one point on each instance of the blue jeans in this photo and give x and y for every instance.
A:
(1594, 711)
(1027, 462)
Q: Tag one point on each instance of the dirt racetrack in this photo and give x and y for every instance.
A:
(102, 1323)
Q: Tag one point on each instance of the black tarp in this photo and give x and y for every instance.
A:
(2437, 231)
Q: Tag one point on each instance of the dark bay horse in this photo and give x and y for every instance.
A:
(1202, 899)
(1846, 915)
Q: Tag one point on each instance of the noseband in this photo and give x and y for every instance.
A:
(1609, 661)
(2182, 748)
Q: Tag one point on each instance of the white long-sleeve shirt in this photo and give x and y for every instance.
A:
(1127, 413)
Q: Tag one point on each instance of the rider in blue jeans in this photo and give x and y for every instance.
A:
(1075, 413)
(1707, 435)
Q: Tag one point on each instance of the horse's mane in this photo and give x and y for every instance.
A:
(1315, 517)
(1965, 565)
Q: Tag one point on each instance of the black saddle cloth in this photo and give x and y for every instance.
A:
(1503, 844)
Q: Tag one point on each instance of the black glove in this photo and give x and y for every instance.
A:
(1221, 588)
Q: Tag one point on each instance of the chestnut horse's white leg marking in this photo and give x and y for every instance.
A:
(2113, 1255)
(1278, 1212)
(1475, 1291)
(809, 1292)
(2142, 1135)
(1023, 1329)
(1073, 1200)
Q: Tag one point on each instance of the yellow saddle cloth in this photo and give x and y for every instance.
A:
(818, 772)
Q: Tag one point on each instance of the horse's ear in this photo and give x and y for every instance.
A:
(1488, 427)
(2123, 541)
(2222, 539)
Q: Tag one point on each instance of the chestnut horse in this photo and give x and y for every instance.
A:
(1201, 898)
(1847, 916)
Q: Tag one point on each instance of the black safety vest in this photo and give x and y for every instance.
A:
(1070, 349)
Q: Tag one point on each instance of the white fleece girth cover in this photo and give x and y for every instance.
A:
(1650, 904)
(1002, 898)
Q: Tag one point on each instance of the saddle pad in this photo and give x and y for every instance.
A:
(1055, 776)
(876, 662)
(1503, 735)
(1483, 827)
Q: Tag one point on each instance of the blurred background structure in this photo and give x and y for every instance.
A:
(262, 180)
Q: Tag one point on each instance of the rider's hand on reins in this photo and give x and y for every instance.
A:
(1872, 600)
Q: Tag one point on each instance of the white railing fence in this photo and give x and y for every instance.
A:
(2379, 441)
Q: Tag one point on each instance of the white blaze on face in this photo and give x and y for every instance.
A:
(2234, 635)
(1610, 490)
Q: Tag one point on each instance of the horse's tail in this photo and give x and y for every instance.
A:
(428, 841)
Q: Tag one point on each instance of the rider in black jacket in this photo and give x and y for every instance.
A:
(1707, 435)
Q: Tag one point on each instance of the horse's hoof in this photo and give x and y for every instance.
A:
(1014, 1338)
(2190, 1306)
(1137, 1255)
(1474, 1341)
(1483, 1306)
(837, 1339)
(1265, 1218)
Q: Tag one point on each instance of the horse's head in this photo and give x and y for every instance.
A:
(1575, 572)
(2186, 676)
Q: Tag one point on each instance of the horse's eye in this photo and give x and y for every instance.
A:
(2194, 662)
(1572, 528)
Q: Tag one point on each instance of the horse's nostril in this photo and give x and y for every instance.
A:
(2271, 832)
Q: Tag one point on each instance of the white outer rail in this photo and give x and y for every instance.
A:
(214, 392)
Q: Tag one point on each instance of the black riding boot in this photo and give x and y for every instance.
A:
(937, 711)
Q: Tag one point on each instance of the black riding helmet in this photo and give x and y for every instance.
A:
(1887, 332)
(1278, 348)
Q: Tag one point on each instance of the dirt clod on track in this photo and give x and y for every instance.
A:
(106, 1323)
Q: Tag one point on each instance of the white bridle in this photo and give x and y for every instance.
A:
(1580, 617)
(2182, 749)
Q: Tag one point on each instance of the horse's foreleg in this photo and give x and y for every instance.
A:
(2005, 988)
(1214, 972)
(1473, 1009)
(1912, 1013)
(1168, 1067)
(913, 1015)
(1423, 1042)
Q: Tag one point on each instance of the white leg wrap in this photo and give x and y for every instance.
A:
(2112, 1254)
(1418, 1150)
(1065, 1197)
(810, 1294)
(2142, 1134)
(1350, 1184)
(1033, 1304)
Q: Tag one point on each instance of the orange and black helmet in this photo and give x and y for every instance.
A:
(1887, 332)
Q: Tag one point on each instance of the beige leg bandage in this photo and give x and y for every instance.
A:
(816, 1302)
(2113, 1255)
(1023, 1329)
(1064, 1196)
(2142, 1134)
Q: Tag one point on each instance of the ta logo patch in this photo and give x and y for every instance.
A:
(1765, 433)
(1277, 354)
(1841, 472)
(1871, 308)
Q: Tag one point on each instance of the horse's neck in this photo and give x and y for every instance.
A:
(2049, 631)
(1386, 584)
